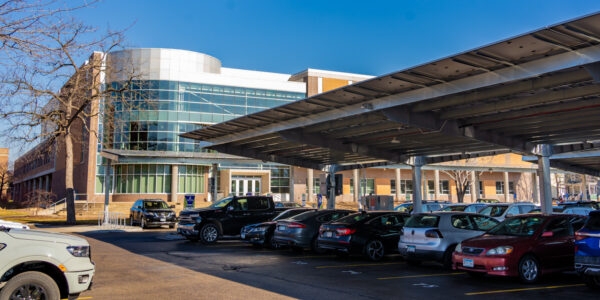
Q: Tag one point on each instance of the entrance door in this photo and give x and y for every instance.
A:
(244, 185)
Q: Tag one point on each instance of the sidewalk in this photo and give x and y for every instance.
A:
(121, 274)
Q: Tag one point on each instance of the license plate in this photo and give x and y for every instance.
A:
(281, 227)
(328, 234)
(243, 235)
(163, 219)
(411, 249)
(468, 263)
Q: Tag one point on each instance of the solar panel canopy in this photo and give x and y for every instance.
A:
(539, 88)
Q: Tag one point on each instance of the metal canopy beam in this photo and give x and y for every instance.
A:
(299, 136)
(267, 157)
(431, 121)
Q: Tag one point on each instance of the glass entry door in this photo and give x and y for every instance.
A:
(245, 185)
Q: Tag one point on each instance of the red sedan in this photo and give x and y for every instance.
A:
(526, 246)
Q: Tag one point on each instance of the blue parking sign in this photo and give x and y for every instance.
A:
(190, 201)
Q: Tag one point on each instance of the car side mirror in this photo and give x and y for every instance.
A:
(548, 234)
(139, 207)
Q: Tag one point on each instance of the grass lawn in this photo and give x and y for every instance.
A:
(12, 212)
(47, 220)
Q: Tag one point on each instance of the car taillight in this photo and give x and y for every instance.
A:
(296, 225)
(581, 236)
(433, 233)
(345, 231)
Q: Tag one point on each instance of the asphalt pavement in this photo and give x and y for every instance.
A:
(158, 264)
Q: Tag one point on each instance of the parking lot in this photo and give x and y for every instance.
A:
(243, 270)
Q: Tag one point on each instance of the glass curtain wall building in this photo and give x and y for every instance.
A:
(182, 91)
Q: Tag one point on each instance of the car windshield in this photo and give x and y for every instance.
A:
(353, 218)
(221, 203)
(494, 210)
(422, 221)
(525, 226)
(473, 208)
(155, 205)
(454, 208)
(407, 207)
(289, 213)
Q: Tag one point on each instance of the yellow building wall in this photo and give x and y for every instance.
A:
(382, 186)
(346, 186)
(332, 84)
(489, 187)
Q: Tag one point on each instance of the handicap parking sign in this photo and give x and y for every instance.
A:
(189, 201)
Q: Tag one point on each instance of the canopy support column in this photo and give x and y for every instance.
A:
(417, 164)
(545, 151)
(331, 191)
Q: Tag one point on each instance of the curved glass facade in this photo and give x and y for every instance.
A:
(153, 113)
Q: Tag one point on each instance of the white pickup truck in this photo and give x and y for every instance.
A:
(42, 265)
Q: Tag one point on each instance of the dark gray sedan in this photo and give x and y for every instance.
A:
(301, 231)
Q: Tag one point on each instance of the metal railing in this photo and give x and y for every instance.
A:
(57, 203)
(112, 220)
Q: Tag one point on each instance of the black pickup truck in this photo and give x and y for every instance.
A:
(225, 217)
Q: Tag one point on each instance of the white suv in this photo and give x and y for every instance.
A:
(42, 265)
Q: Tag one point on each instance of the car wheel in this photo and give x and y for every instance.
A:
(209, 234)
(374, 250)
(592, 281)
(30, 285)
(529, 269)
(171, 226)
(315, 247)
(447, 259)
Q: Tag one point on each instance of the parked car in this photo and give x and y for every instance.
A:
(570, 210)
(301, 231)
(587, 251)
(472, 208)
(51, 265)
(373, 234)
(262, 233)
(9, 224)
(502, 211)
(225, 217)
(483, 200)
(152, 212)
(287, 205)
(427, 206)
(526, 246)
(592, 204)
(434, 236)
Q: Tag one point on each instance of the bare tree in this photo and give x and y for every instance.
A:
(5, 180)
(462, 180)
(49, 91)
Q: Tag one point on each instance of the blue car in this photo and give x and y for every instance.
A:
(587, 250)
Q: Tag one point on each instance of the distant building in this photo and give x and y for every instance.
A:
(3, 171)
(181, 91)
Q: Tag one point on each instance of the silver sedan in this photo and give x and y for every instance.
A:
(433, 236)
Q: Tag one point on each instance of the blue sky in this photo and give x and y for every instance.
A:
(370, 37)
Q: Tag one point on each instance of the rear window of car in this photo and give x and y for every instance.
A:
(354, 218)
(494, 210)
(454, 208)
(304, 216)
(423, 221)
(593, 223)
(289, 213)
